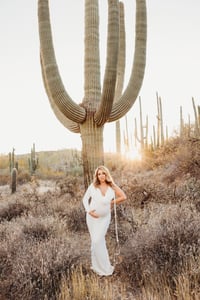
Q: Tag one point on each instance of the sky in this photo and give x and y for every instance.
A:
(172, 69)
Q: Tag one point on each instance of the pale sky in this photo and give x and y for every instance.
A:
(172, 68)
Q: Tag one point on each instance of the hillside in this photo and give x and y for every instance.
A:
(45, 245)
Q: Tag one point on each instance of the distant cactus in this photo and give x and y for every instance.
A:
(197, 119)
(12, 163)
(13, 184)
(154, 137)
(33, 161)
(166, 133)
(143, 140)
(160, 132)
(182, 125)
(141, 126)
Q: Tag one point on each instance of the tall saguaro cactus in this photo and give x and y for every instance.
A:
(98, 105)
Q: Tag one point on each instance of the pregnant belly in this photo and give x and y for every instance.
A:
(102, 210)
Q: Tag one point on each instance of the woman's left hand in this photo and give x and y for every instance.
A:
(112, 204)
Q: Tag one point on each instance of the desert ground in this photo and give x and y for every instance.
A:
(45, 246)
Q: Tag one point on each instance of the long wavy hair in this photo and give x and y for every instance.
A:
(109, 180)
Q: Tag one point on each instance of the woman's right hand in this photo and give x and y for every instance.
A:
(93, 214)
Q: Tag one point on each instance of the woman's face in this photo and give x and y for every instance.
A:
(101, 176)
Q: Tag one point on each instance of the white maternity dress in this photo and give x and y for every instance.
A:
(98, 227)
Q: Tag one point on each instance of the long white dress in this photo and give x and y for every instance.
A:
(98, 227)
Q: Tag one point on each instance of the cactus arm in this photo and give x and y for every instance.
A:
(121, 107)
(92, 82)
(72, 126)
(56, 88)
(121, 54)
(110, 75)
(120, 71)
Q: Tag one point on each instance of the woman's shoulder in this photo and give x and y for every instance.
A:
(92, 186)
(112, 187)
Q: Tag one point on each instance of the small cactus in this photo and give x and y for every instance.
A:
(33, 161)
(143, 139)
(197, 119)
(12, 163)
(13, 180)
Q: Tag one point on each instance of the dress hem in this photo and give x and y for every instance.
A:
(102, 274)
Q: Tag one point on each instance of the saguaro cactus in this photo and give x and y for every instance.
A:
(197, 119)
(12, 162)
(160, 132)
(98, 105)
(33, 161)
(13, 178)
(143, 138)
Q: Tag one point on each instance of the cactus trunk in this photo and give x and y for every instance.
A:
(92, 148)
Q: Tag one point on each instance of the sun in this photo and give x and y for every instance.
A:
(133, 154)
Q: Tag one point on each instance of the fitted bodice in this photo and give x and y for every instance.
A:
(99, 202)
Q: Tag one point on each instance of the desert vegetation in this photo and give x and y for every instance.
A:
(45, 252)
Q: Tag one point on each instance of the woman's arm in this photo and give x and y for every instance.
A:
(86, 198)
(120, 196)
(86, 205)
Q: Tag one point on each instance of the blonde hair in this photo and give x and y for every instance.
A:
(105, 170)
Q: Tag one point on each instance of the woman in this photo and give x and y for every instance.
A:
(98, 201)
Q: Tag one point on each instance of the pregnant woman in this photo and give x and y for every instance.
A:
(98, 201)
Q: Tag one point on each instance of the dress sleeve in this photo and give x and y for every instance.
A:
(86, 198)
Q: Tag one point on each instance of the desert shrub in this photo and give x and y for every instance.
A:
(187, 159)
(4, 179)
(11, 210)
(4, 161)
(23, 177)
(74, 216)
(5, 264)
(186, 285)
(49, 174)
(71, 185)
(35, 254)
(123, 223)
(37, 270)
(163, 249)
(76, 171)
(160, 156)
(37, 230)
(180, 155)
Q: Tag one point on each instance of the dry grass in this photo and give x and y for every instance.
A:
(82, 285)
(45, 247)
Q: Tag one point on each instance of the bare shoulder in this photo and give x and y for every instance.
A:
(117, 189)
